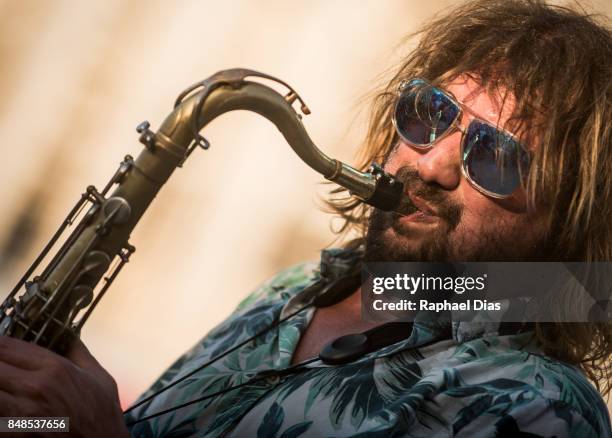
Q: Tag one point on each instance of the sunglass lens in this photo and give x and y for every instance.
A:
(423, 113)
(493, 160)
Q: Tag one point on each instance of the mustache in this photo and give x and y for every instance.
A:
(431, 193)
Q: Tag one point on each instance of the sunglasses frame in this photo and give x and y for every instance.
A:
(454, 126)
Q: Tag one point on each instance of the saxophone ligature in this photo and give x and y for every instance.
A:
(51, 307)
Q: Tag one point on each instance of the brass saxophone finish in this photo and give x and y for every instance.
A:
(51, 308)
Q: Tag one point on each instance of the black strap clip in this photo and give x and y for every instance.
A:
(347, 348)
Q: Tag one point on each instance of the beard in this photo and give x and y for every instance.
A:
(497, 239)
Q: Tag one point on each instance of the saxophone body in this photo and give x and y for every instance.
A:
(51, 307)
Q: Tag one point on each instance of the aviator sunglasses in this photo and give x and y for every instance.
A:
(492, 160)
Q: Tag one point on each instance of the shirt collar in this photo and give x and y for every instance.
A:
(339, 262)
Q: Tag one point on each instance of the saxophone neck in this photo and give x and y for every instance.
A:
(228, 90)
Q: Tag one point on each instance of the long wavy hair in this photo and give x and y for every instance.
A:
(556, 62)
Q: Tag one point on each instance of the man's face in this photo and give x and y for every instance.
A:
(455, 221)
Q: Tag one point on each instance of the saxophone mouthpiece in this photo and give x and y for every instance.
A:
(389, 193)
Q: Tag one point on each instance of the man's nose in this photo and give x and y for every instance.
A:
(441, 163)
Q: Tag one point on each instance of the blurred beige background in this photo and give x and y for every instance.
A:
(76, 77)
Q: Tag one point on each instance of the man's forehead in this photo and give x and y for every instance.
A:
(494, 106)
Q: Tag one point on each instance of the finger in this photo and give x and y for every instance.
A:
(24, 354)
(79, 354)
(14, 380)
(9, 406)
(82, 358)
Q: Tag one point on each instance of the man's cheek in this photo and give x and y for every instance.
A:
(391, 166)
(467, 233)
(401, 155)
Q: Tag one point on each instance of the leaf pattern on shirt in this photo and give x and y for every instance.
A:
(445, 379)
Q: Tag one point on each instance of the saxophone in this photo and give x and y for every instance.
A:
(50, 308)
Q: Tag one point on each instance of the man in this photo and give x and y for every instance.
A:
(534, 78)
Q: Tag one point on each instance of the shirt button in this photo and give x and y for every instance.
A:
(273, 380)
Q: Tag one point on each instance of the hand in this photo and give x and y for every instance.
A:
(36, 382)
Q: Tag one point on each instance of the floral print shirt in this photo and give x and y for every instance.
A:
(444, 379)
